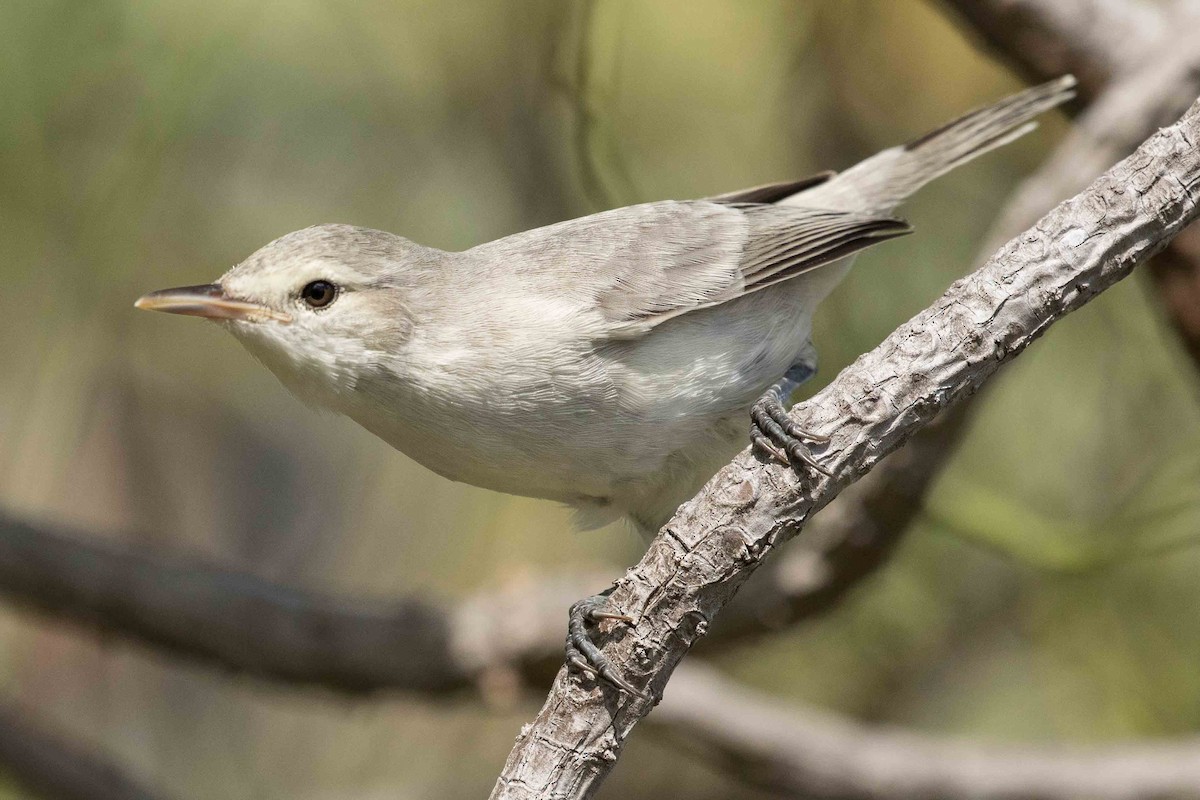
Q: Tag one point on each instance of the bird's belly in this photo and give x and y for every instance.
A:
(654, 418)
(558, 453)
(597, 459)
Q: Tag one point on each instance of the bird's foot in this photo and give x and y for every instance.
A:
(582, 652)
(772, 430)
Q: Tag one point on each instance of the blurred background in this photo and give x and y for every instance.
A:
(1047, 593)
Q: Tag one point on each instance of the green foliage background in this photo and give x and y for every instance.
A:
(1048, 593)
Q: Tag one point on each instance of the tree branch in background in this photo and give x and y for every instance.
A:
(237, 621)
(226, 617)
(738, 730)
(803, 753)
(1149, 58)
(715, 541)
(1093, 39)
(50, 767)
(1132, 107)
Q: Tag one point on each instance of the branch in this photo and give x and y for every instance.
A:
(854, 538)
(743, 733)
(871, 519)
(239, 622)
(227, 617)
(1048, 38)
(1132, 107)
(804, 753)
(1093, 39)
(51, 767)
(1151, 58)
(713, 544)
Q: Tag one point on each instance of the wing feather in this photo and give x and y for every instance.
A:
(776, 243)
(624, 271)
(773, 192)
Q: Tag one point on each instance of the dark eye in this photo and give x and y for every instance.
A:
(318, 294)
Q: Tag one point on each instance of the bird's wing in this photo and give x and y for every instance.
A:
(681, 257)
(622, 272)
(774, 192)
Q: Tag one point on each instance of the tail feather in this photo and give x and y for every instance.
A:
(881, 182)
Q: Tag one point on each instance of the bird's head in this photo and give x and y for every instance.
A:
(320, 307)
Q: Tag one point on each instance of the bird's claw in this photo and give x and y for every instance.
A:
(583, 654)
(773, 431)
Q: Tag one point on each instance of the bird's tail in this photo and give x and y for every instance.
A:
(883, 181)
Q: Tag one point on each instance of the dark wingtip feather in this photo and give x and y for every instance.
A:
(772, 192)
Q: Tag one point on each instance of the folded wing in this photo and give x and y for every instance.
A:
(700, 254)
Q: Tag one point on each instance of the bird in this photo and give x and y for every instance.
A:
(612, 362)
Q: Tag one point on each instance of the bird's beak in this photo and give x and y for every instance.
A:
(210, 301)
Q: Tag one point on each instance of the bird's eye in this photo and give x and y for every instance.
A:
(318, 294)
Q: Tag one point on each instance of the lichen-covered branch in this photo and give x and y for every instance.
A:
(714, 543)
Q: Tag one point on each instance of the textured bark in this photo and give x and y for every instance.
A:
(1146, 59)
(1105, 43)
(703, 555)
(1129, 110)
(847, 543)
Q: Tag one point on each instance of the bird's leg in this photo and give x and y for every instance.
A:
(772, 430)
(582, 653)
